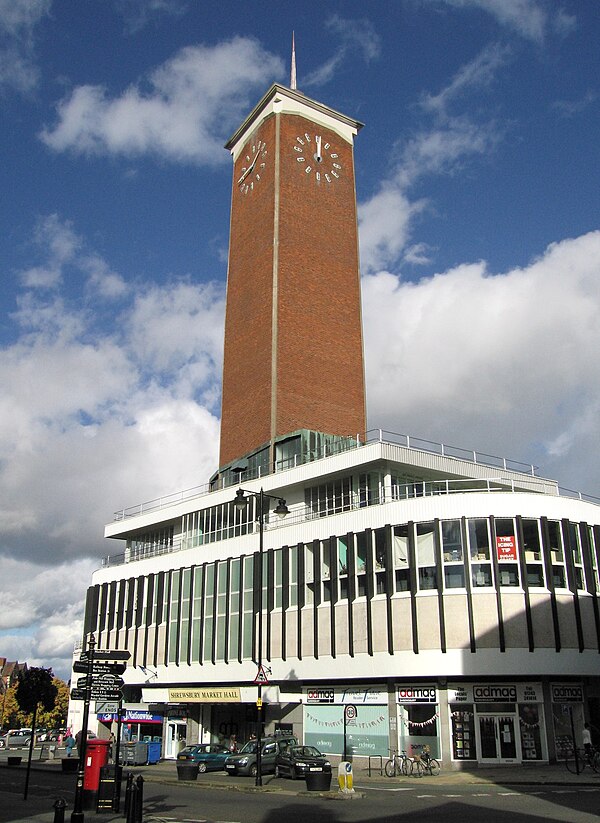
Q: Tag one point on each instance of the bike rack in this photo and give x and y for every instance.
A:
(376, 757)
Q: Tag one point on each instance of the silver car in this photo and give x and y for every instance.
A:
(18, 739)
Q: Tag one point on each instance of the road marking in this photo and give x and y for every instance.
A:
(452, 795)
(509, 794)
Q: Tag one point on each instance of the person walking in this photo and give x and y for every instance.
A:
(69, 744)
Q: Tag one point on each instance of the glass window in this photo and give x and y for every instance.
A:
(426, 556)
(533, 553)
(479, 539)
(452, 550)
(481, 575)
(400, 555)
(361, 564)
(559, 578)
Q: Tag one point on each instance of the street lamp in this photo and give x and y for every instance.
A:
(242, 498)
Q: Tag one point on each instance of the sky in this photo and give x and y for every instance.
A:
(477, 176)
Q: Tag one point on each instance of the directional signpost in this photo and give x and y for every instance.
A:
(102, 683)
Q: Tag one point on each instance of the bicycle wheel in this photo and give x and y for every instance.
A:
(595, 761)
(573, 765)
(405, 767)
(390, 768)
(418, 769)
(434, 767)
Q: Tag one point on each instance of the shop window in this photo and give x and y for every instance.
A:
(535, 575)
(533, 553)
(508, 574)
(426, 556)
(529, 722)
(559, 579)
(463, 732)
(420, 721)
(506, 552)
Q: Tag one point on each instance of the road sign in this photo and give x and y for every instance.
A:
(81, 667)
(82, 682)
(261, 677)
(350, 712)
(111, 697)
(77, 694)
(106, 654)
(106, 707)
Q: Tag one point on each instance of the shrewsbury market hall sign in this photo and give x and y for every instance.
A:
(215, 695)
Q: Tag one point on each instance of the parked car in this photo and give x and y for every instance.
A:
(210, 757)
(244, 762)
(298, 761)
(16, 739)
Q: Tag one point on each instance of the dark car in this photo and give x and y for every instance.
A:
(244, 762)
(298, 761)
(210, 757)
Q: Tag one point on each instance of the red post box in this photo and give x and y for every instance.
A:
(96, 756)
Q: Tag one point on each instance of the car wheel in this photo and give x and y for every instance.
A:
(202, 767)
(253, 770)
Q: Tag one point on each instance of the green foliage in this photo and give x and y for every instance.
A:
(36, 687)
(57, 717)
(12, 716)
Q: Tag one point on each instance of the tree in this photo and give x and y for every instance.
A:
(35, 688)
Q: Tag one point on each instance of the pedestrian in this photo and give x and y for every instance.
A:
(233, 746)
(586, 737)
(69, 743)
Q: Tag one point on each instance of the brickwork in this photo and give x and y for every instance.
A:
(319, 377)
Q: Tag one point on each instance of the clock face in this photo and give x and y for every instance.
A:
(317, 158)
(253, 166)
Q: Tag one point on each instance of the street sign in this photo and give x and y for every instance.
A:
(106, 693)
(82, 682)
(110, 680)
(261, 677)
(106, 707)
(106, 654)
(350, 712)
(77, 694)
(81, 667)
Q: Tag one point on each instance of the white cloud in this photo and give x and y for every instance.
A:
(486, 361)
(182, 113)
(18, 19)
(356, 37)
(139, 13)
(529, 18)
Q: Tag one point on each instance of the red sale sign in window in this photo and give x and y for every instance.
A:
(506, 547)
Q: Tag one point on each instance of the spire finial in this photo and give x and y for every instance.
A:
(293, 69)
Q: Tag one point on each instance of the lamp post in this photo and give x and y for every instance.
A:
(242, 498)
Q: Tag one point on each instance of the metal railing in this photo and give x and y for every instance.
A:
(329, 449)
(407, 491)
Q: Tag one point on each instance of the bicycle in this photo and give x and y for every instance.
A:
(425, 764)
(398, 764)
(577, 759)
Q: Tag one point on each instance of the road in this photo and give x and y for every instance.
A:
(193, 803)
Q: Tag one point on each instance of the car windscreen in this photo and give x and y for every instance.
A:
(249, 748)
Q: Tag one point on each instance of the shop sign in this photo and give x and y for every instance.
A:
(506, 547)
(460, 694)
(495, 693)
(417, 694)
(567, 692)
(356, 695)
(214, 695)
(529, 693)
(131, 716)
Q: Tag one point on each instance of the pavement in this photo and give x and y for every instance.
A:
(525, 774)
(165, 773)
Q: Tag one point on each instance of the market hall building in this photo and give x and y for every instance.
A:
(451, 598)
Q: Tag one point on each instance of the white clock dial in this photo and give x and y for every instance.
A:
(317, 158)
(253, 166)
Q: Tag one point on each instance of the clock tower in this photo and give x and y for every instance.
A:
(293, 357)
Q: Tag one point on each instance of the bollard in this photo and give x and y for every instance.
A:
(139, 800)
(59, 810)
(132, 816)
(128, 788)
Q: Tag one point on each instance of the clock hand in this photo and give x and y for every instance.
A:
(318, 156)
(250, 168)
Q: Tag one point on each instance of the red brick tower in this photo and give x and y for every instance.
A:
(293, 338)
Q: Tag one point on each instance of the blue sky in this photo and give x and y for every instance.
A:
(479, 204)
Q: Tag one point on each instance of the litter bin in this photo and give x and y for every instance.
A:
(187, 771)
(134, 754)
(318, 781)
(153, 752)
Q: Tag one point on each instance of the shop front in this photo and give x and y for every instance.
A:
(497, 723)
(417, 719)
(567, 716)
(334, 730)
